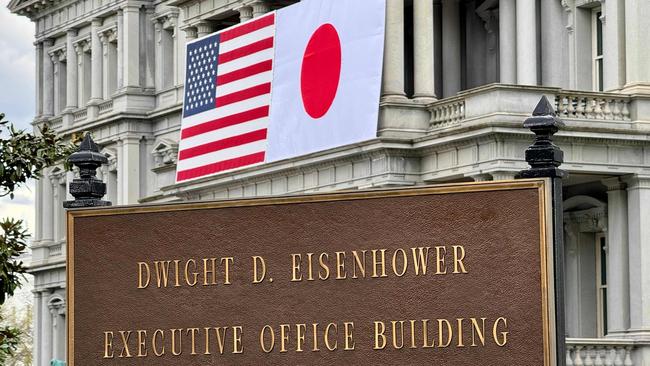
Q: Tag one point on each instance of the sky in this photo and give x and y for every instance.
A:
(17, 96)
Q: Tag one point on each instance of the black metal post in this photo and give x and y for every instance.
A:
(544, 158)
(87, 190)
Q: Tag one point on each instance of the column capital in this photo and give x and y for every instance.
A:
(245, 13)
(637, 181)
(260, 7)
(72, 32)
(96, 22)
(613, 184)
(48, 42)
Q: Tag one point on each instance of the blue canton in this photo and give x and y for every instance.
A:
(200, 75)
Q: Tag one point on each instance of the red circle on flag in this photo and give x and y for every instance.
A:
(321, 71)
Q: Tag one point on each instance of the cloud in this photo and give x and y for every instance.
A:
(21, 207)
(17, 67)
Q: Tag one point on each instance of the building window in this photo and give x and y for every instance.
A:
(597, 48)
(601, 283)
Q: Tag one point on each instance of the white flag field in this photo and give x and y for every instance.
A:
(298, 80)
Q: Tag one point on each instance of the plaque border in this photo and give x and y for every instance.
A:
(543, 186)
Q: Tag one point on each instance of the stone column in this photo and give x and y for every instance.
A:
(130, 173)
(96, 62)
(618, 296)
(613, 45)
(260, 8)
(120, 48)
(437, 47)
(54, 314)
(424, 83)
(554, 47)
(71, 72)
(245, 13)
(48, 79)
(103, 38)
(451, 50)
(158, 29)
(81, 77)
(38, 201)
(526, 42)
(47, 214)
(131, 47)
(204, 28)
(37, 337)
(46, 332)
(393, 77)
(637, 55)
(39, 78)
(638, 215)
(507, 42)
(56, 80)
(57, 202)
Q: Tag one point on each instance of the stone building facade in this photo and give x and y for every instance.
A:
(459, 78)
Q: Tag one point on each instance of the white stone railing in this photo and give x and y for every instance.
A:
(585, 105)
(599, 352)
(56, 122)
(447, 112)
(80, 115)
(106, 107)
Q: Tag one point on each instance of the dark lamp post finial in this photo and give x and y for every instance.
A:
(87, 189)
(543, 156)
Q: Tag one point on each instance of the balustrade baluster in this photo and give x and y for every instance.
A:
(616, 109)
(607, 111)
(569, 359)
(625, 111)
(578, 361)
(588, 356)
(598, 110)
(628, 359)
(618, 360)
(598, 361)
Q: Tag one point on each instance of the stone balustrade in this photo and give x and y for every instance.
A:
(106, 107)
(80, 115)
(602, 106)
(447, 112)
(599, 352)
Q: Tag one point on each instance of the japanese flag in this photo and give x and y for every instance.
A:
(303, 79)
(327, 76)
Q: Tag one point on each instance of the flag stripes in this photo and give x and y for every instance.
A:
(233, 132)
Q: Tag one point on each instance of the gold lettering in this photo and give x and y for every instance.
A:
(108, 345)
(401, 333)
(187, 273)
(258, 276)
(237, 346)
(213, 271)
(412, 333)
(142, 343)
(440, 260)
(125, 343)
(262, 345)
(226, 262)
(404, 263)
(314, 327)
(310, 272)
(141, 283)
(349, 341)
(192, 332)
(154, 343)
(162, 272)
(459, 256)
(207, 341)
(180, 342)
(296, 275)
(420, 259)
(284, 337)
(221, 338)
(381, 262)
(359, 263)
(327, 336)
(340, 266)
(323, 260)
(425, 334)
(479, 331)
(441, 344)
(300, 336)
(177, 271)
(504, 335)
(380, 334)
(459, 321)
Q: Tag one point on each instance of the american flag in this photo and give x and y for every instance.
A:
(227, 99)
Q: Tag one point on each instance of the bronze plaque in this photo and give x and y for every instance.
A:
(454, 274)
